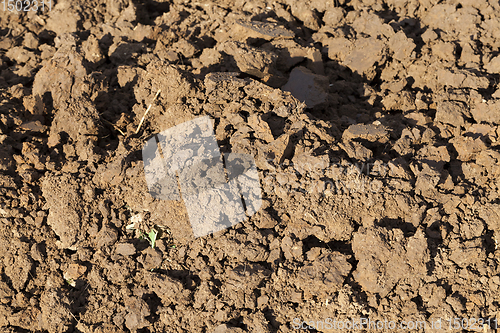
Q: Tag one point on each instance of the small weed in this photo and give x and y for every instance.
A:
(150, 237)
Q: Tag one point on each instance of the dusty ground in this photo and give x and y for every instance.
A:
(379, 171)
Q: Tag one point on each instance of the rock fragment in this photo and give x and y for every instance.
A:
(63, 18)
(150, 258)
(493, 66)
(78, 119)
(138, 310)
(303, 11)
(92, 50)
(265, 30)
(307, 87)
(67, 211)
(329, 270)
(277, 150)
(305, 162)
(433, 156)
(167, 289)
(261, 128)
(459, 78)
(490, 160)
(334, 16)
(356, 150)
(452, 113)
(249, 60)
(20, 54)
(445, 51)
(427, 179)
(365, 54)
(339, 48)
(401, 46)
(125, 249)
(226, 329)
(487, 111)
(55, 314)
(64, 76)
(371, 24)
(370, 132)
(289, 52)
(385, 257)
(467, 147)
(73, 273)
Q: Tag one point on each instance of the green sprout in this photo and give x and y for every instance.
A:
(150, 236)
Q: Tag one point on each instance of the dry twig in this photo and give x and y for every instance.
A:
(115, 127)
(147, 110)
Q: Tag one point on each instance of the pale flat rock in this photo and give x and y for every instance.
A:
(266, 30)
(307, 87)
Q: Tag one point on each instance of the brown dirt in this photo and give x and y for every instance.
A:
(375, 130)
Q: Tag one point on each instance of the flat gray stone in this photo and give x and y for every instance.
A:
(307, 87)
